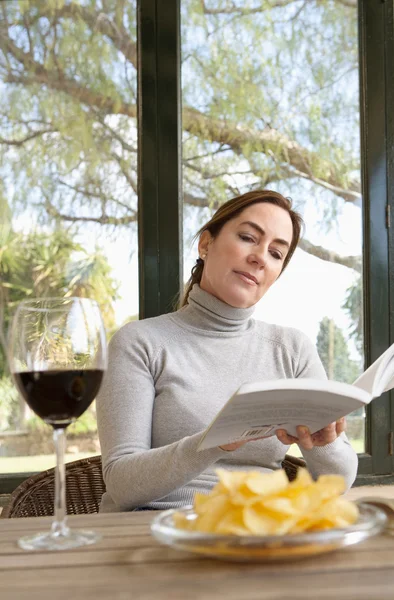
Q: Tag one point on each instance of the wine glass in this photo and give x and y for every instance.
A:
(58, 355)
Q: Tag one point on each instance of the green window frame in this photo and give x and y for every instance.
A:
(376, 91)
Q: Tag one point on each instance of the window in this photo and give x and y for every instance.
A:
(290, 71)
(68, 191)
(271, 101)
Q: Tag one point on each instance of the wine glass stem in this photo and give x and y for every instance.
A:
(59, 526)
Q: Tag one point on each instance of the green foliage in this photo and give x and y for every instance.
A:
(70, 69)
(53, 264)
(9, 412)
(42, 265)
(85, 424)
(354, 307)
(334, 353)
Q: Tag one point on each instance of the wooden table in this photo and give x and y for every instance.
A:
(128, 563)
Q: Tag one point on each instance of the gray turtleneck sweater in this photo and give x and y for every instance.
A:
(169, 376)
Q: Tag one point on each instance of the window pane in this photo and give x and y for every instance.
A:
(271, 100)
(68, 184)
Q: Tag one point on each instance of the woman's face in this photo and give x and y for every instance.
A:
(247, 256)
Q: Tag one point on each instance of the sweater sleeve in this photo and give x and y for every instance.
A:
(339, 457)
(134, 473)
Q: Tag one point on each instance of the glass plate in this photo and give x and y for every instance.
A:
(266, 548)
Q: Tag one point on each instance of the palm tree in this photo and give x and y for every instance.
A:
(46, 264)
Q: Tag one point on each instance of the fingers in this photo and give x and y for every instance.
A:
(304, 437)
(325, 436)
(341, 425)
(305, 440)
(285, 438)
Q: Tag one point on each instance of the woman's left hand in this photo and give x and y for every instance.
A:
(307, 441)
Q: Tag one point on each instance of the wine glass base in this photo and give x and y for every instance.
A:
(49, 541)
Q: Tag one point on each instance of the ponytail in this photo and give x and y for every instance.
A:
(195, 277)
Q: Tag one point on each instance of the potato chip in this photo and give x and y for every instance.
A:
(230, 480)
(267, 483)
(232, 522)
(255, 503)
(215, 508)
(302, 480)
(181, 521)
(331, 485)
(346, 510)
(201, 502)
(263, 522)
(282, 506)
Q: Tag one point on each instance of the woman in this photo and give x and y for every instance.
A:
(168, 376)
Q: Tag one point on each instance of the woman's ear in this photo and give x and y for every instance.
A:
(204, 243)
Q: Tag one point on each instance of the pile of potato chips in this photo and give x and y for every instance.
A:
(254, 503)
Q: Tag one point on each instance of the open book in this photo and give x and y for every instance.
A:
(258, 409)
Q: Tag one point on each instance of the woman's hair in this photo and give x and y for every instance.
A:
(231, 209)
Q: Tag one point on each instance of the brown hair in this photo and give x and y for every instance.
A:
(231, 209)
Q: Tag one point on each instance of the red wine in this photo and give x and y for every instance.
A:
(59, 397)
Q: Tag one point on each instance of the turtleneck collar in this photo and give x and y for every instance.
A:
(204, 311)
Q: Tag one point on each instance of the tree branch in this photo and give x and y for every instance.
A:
(233, 9)
(274, 144)
(129, 178)
(102, 220)
(99, 195)
(195, 200)
(29, 137)
(350, 3)
(269, 141)
(351, 196)
(56, 79)
(73, 89)
(115, 134)
(97, 21)
(87, 193)
(353, 262)
(265, 177)
(206, 174)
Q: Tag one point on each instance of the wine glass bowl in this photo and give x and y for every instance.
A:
(58, 356)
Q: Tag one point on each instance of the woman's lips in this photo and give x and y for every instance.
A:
(249, 279)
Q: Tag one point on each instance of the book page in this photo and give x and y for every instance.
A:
(379, 377)
(254, 414)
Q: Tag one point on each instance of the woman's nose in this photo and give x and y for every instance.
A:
(258, 258)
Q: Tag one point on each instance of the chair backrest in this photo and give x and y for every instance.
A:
(35, 496)
(291, 464)
(84, 488)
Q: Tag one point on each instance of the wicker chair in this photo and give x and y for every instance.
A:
(35, 497)
(291, 464)
(84, 488)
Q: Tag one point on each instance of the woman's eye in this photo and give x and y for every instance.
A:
(246, 238)
(276, 255)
